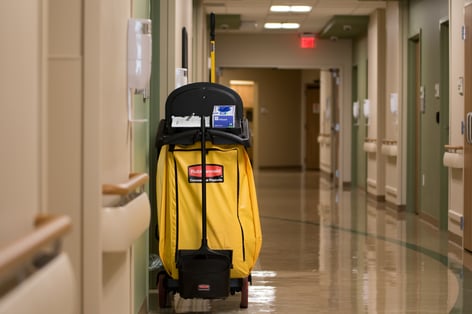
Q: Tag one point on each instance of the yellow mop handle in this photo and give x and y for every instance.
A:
(212, 49)
(213, 63)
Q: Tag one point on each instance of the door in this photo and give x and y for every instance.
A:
(335, 125)
(468, 133)
(442, 118)
(414, 123)
(312, 126)
(247, 90)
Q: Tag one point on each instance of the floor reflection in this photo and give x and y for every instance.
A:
(330, 251)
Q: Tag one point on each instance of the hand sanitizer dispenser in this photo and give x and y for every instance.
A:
(139, 53)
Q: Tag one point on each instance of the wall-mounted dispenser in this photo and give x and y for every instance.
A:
(139, 61)
(366, 110)
(355, 112)
(139, 53)
(394, 107)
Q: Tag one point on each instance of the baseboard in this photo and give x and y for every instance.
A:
(454, 238)
(431, 220)
(392, 206)
(377, 198)
(143, 309)
(347, 186)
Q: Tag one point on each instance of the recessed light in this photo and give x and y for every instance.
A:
(280, 8)
(290, 8)
(281, 25)
(300, 8)
(273, 25)
(290, 25)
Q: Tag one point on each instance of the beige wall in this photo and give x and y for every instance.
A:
(393, 53)
(282, 51)
(308, 77)
(21, 109)
(64, 120)
(174, 15)
(65, 103)
(326, 112)
(376, 96)
(456, 111)
(278, 138)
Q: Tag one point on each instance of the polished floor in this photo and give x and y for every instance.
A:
(331, 251)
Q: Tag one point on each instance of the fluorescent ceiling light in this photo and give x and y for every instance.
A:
(300, 8)
(290, 25)
(273, 25)
(281, 25)
(280, 8)
(290, 8)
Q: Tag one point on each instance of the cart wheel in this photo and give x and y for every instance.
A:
(244, 293)
(161, 290)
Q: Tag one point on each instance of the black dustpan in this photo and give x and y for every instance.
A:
(204, 273)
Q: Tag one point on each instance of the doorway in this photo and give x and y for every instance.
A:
(414, 124)
(247, 90)
(442, 118)
(312, 126)
(468, 131)
(335, 127)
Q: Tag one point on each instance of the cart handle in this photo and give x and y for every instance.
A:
(181, 135)
(230, 136)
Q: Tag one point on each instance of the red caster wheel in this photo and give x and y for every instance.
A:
(244, 293)
(162, 290)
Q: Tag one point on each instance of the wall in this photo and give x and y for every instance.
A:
(64, 120)
(89, 138)
(308, 78)
(425, 16)
(279, 143)
(140, 164)
(22, 129)
(376, 96)
(252, 51)
(174, 14)
(359, 127)
(456, 111)
(393, 74)
(326, 112)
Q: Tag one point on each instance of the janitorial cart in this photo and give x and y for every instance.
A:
(208, 221)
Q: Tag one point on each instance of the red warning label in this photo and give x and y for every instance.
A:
(214, 173)
(203, 287)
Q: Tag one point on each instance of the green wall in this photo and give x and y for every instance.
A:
(140, 133)
(359, 128)
(154, 119)
(424, 17)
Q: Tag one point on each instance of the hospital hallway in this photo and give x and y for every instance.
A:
(330, 251)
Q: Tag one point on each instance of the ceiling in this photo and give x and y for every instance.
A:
(327, 19)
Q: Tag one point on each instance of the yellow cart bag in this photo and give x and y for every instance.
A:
(232, 211)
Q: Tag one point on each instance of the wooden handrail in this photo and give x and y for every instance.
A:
(48, 229)
(135, 181)
(453, 148)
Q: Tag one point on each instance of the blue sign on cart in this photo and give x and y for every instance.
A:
(223, 116)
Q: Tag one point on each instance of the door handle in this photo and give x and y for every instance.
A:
(468, 128)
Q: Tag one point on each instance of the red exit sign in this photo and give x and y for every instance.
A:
(307, 41)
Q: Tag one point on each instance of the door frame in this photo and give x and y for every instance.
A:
(414, 124)
(443, 116)
(467, 235)
(312, 125)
